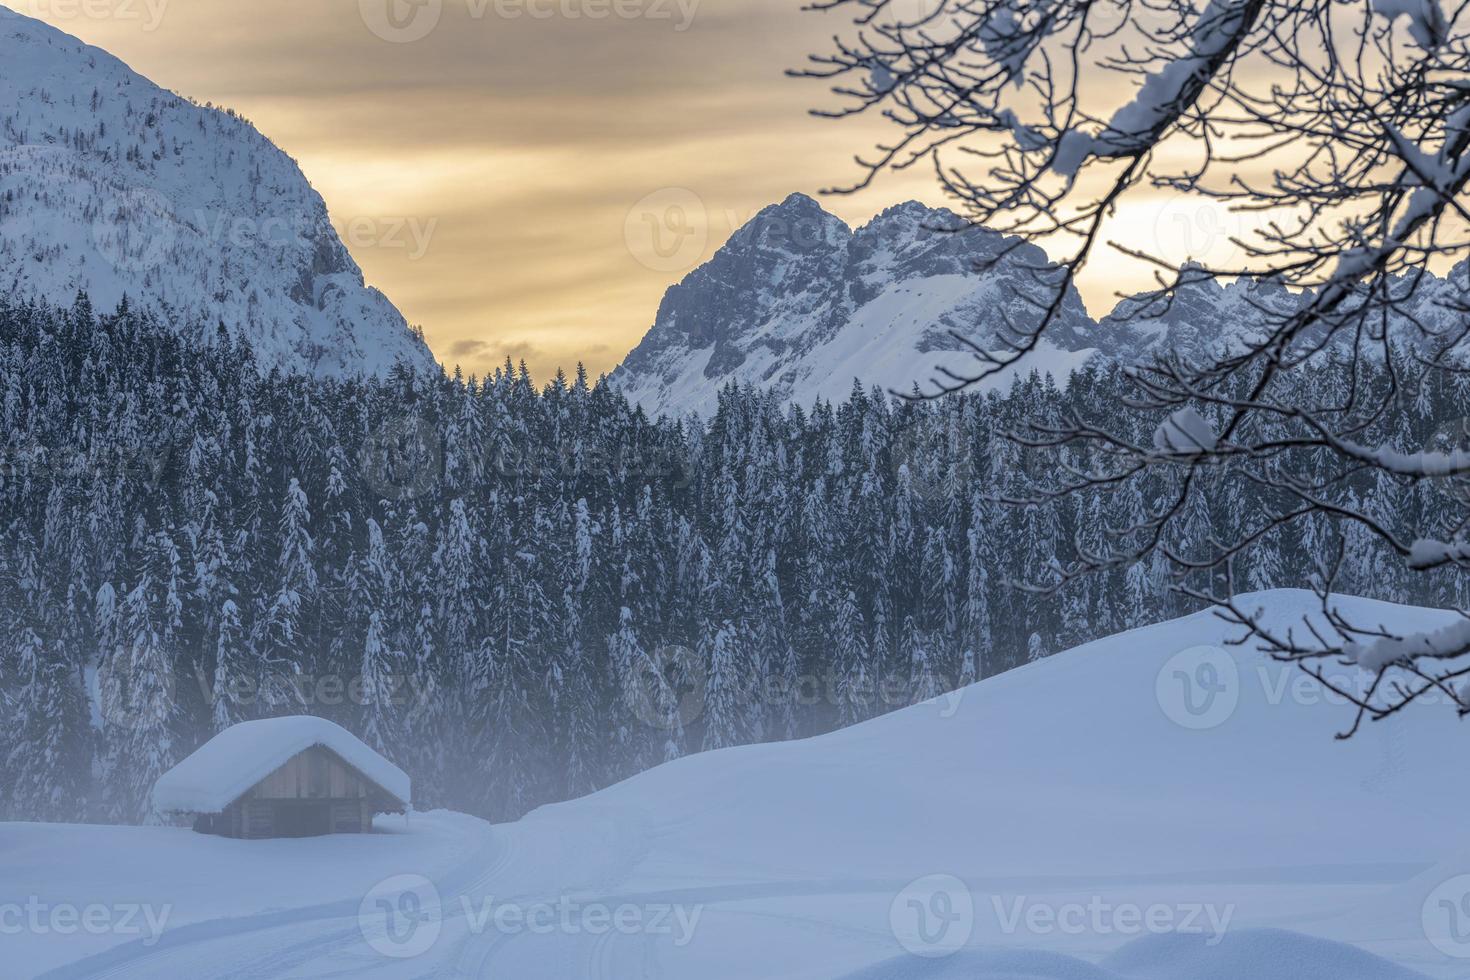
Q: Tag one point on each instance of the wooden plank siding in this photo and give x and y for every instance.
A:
(315, 792)
(316, 774)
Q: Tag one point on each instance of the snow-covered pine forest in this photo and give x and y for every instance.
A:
(484, 579)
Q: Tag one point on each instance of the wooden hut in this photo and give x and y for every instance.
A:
(283, 777)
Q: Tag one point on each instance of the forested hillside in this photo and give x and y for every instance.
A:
(520, 595)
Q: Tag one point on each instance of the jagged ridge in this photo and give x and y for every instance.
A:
(800, 304)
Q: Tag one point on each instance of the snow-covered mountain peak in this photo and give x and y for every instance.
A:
(797, 208)
(800, 303)
(112, 186)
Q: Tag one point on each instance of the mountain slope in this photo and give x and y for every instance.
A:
(798, 303)
(801, 304)
(113, 186)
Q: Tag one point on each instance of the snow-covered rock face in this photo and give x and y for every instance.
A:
(1203, 317)
(799, 303)
(113, 186)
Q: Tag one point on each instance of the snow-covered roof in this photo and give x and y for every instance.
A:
(226, 766)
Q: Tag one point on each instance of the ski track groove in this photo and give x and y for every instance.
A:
(509, 851)
(133, 959)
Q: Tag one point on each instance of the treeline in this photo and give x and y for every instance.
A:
(520, 594)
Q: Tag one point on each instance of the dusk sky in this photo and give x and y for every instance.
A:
(495, 167)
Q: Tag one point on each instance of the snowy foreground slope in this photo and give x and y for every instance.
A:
(1136, 809)
(113, 186)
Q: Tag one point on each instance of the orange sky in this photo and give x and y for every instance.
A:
(498, 167)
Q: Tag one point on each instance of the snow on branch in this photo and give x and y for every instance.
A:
(1345, 152)
(1377, 655)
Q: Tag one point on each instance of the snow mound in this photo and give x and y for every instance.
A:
(244, 754)
(1190, 752)
(1162, 768)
